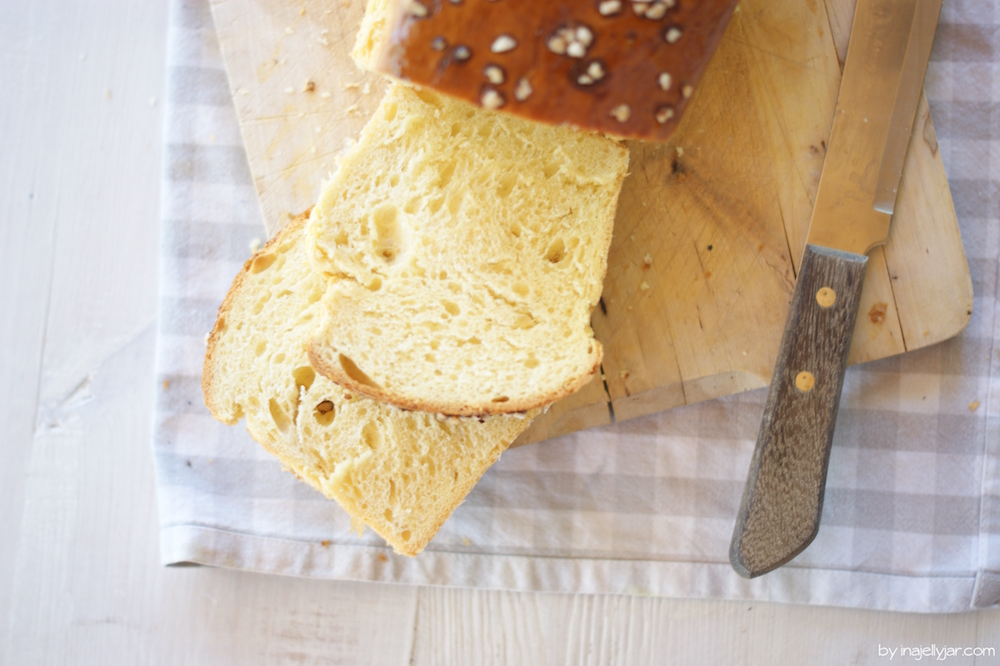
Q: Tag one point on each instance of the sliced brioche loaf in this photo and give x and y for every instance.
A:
(472, 247)
(625, 67)
(401, 473)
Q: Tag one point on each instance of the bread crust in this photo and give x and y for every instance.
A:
(595, 65)
(335, 373)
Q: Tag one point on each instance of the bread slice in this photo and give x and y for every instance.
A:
(472, 248)
(401, 473)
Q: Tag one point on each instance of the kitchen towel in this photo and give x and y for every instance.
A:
(911, 520)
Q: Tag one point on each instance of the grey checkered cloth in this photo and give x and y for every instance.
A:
(912, 514)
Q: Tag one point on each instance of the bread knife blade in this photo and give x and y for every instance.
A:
(883, 77)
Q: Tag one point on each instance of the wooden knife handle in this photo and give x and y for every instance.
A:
(783, 498)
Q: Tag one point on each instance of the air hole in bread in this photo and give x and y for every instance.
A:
(405, 536)
(500, 398)
(515, 230)
(430, 358)
(390, 111)
(506, 186)
(325, 412)
(444, 174)
(550, 169)
(524, 321)
(371, 435)
(520, 288)
(388, 515)
(259, 305)
(389, 236)
(435, 344)
(394, 180)
(451, 307)
(531, 363)
(262, 262)
(375, 284)
(278, 359)
(278, 416)
(556, 251)
(304, 376)
(260, 348)
(428, 97)
(354, 372)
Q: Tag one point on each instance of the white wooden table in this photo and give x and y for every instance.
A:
(82, 85)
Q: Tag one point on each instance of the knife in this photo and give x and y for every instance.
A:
(883, 77)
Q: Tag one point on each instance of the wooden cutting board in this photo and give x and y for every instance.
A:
(710, 225)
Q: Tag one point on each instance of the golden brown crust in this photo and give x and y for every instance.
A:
(337, 375)
(593, 64)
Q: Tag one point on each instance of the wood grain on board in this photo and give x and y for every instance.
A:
(710, 225)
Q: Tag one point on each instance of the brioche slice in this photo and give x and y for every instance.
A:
(401, 473)
(472, 247)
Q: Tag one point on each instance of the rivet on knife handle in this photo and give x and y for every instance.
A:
(783, 499)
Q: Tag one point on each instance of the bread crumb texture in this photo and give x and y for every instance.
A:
(469, 249)
(372, 32)
(401, 473)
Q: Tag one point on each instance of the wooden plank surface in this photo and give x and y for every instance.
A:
(26, 244)
(82, 583)
(710, 224)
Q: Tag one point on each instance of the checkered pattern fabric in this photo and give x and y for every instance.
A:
(912, 513)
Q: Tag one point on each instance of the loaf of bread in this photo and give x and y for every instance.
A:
(469, 249)
(625, 67)
(401, 473)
